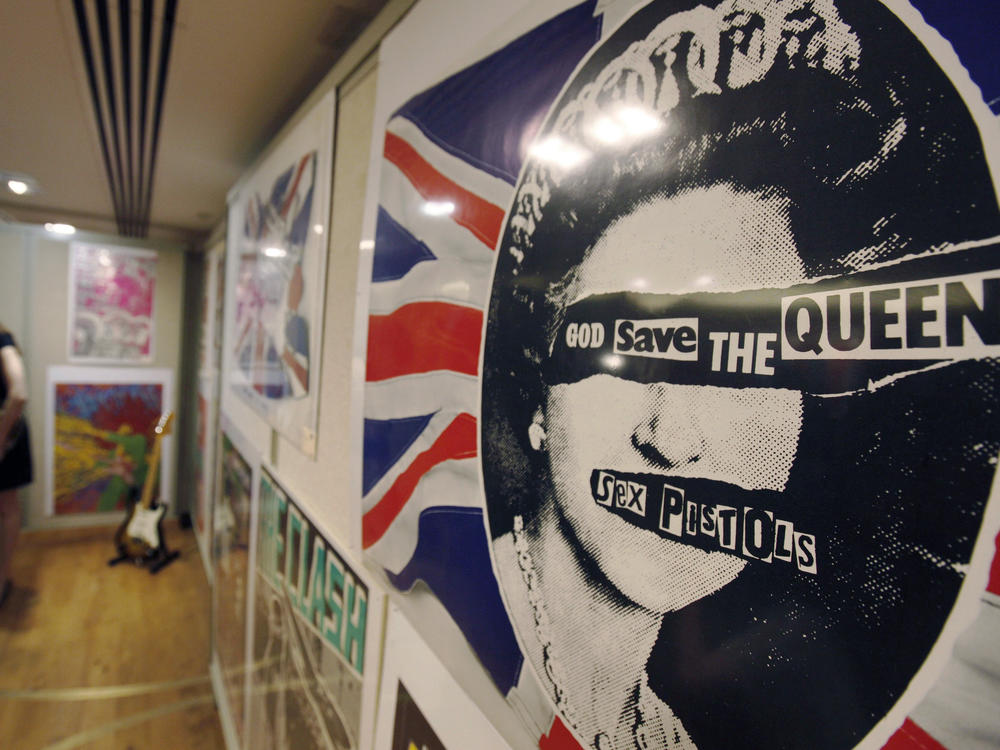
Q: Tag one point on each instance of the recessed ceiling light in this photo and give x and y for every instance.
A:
(19, 184)
(60, 228)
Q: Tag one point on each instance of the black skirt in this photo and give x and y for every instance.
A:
(15, 468)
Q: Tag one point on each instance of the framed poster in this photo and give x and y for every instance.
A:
(316, 635)
(100, 428)
(233, 526)
(111, 295)
(276, 271)
(206, 437)
(676, 321)
(209, 364)
(213, 294)
(420, 704)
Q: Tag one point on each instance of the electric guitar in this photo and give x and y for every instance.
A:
(140, 537)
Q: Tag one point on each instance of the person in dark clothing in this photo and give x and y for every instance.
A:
(15, 452)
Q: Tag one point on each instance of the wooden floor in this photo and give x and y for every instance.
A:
(97, 657)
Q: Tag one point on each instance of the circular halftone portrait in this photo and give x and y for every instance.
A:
(740, 376)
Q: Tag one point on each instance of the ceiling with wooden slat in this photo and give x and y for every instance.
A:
(237, 69)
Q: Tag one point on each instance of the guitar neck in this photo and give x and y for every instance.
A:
(153, 470)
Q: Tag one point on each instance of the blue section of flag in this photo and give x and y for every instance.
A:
(972, 30)
(487, 113)
(279, 188)
(302, 222)
(396, 250)
(385, 441)
(453, 559)
(297, 335)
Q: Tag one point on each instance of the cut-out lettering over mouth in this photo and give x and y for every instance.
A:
(710, 515)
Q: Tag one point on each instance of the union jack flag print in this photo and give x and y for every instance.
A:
(451, 158)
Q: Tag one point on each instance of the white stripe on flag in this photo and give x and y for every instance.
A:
(449, 280)
(422, 393)
(437, 424)
(470, 177)
(462, 270)
(457, 481)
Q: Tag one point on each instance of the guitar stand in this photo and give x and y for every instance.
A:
(162, 559)
(158, 560)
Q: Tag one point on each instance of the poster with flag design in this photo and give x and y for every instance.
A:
(277, 239)
(451, 156)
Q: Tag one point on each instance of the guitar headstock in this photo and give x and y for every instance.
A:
(166, 423)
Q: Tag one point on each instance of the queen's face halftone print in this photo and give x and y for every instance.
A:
(743, 437)
(739, 377)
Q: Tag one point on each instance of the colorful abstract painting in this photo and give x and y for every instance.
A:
(111, 303)
(101, 433)
(278, 238)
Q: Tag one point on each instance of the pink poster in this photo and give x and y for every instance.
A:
(111, 303)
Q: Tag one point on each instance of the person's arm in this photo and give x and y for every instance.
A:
(17, 393)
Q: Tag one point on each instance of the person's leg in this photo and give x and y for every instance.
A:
(10, 527)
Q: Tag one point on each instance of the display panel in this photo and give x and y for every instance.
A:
(111, 295)
(233, 524)
(317, 625)
(99, 432)
(210, 362)
(276, 274)
(737, 267)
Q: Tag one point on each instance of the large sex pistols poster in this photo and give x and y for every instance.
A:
(703, 311)
(316, 627)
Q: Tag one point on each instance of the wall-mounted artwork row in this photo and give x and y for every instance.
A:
(111, 295)
(276, 273)
(100, 429)
(316, 639)
(682, 366)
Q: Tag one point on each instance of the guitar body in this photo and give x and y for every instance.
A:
(140, 537)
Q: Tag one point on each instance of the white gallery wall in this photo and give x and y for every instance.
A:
(34, 292)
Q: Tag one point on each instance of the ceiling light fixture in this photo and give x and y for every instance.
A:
(60, 228)
(19, 184)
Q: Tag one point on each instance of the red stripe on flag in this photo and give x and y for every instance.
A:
(993, 584)
(911, 737)
(422, 337)
(480, 217)
(558, 738)
(457, 441)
